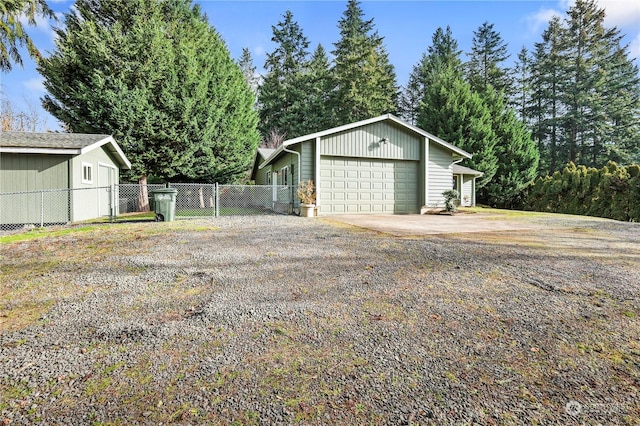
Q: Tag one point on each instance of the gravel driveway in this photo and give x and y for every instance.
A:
(286, 320)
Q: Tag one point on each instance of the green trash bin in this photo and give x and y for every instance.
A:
(164, 201)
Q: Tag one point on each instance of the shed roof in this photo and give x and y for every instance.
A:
(462, 170)
(60, 143)
(386, 117)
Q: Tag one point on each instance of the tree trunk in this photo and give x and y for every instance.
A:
(143, 194)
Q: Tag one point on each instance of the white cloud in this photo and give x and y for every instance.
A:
(43, 25)
(35, 84)
(618, 13)
(539, 20)
(621, 12)
(259, 51)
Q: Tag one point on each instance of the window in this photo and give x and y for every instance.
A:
(87, 173)
(269, 178)
(284, 176)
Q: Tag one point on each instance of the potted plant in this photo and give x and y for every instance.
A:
(307, 196)
(450, 197)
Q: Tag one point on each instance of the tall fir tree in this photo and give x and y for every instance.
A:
(281, 99)
(442, 53)
(522, 87)
(546, 107)
(156, 76)
(585, 105)
(249, 71)
(319, 85)
(451, 110)
(486, 59)
(517, 153)
(364, 79)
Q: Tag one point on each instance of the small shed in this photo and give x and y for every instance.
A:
(379, 165)
(75, 174)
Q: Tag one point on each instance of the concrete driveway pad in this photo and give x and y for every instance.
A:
(430, 224)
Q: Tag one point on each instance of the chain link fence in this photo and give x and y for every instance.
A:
(125, 201)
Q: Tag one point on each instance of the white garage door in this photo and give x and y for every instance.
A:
(357, 185)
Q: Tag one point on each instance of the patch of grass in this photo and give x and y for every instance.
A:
(45, 232)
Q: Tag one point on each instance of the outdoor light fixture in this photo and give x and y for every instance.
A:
(385, 140)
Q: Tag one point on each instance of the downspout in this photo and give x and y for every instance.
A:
(284, 148)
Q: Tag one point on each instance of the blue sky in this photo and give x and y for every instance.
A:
(407, 27)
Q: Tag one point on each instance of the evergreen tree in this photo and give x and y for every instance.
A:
(319, 83)
(488, 53)
(12, 33)
(364, 79)
(451, 110)
(442, 53)
(522, 88)
(546, 107)
(412, 93)
(282, 95)
(516, 151)
(248, 69)
(585, 106)
(156, 76)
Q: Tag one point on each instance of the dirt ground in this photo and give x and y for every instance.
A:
(287, 320)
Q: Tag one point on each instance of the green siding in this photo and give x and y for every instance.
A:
(307, 159)
(261, 175)
(366, 142)
(93, 157)
(33, 172)
(440, 174)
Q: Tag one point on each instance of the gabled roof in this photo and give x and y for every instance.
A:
(386, 117)
(60, 143)
(462, 170)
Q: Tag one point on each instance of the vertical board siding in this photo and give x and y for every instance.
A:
(33, 172)
(440, 174)
(366, 142)
(307, 154)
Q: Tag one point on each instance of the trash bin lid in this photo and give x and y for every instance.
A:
(165, 191)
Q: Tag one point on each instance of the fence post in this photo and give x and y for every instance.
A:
(216, 189)
(41, 209)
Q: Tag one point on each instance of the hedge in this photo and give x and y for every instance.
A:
(611, 192)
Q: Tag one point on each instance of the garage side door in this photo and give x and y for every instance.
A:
(357, 185)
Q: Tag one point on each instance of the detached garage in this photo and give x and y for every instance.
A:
(75, 175)
(380, 165)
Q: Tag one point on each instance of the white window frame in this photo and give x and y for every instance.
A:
(284, 176)
(87, 167)
(269, 177)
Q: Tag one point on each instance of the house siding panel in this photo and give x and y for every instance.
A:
(308, 156)
(440, 174)
(366, 142)
(91, 204)
(33, 172)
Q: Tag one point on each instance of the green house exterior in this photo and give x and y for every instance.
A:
(380, 165)
(57, 162)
